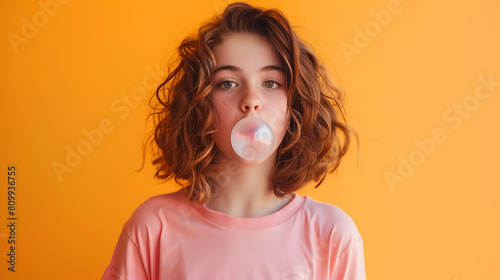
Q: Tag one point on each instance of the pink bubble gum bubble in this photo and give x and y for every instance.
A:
(252, 139)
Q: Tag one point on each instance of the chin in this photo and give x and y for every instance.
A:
(270, 158)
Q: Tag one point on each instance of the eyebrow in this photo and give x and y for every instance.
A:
(238, 69)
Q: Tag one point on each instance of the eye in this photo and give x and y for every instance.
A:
(227, 84)
(271, 84)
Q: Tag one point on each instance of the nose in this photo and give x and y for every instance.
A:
(251, 101)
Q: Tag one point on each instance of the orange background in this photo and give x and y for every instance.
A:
(424, 192)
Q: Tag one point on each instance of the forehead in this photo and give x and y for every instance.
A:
(246, 50)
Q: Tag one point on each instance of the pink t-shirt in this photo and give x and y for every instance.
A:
(170, 237)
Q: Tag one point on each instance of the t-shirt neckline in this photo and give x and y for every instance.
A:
(267, 221)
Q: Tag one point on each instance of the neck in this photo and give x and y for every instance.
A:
(245, 191)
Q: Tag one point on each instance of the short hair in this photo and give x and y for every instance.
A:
(182, 140)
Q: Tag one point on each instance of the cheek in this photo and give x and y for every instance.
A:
(219, 106)
(223, 126)
(281, 126)
(279, 120)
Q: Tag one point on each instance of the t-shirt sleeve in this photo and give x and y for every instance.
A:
(352, 265)
(126, 263)
(347, 257)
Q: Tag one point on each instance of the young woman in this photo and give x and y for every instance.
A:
(238, 217)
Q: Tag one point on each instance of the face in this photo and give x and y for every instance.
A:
(249, 81)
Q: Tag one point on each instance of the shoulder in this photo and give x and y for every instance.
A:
(167, 201)
(332, 220)
(156, 211)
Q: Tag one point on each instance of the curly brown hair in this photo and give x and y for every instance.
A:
(183, 136)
